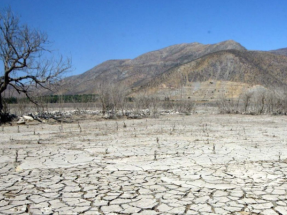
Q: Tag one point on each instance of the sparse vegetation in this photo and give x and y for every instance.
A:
(254, 102)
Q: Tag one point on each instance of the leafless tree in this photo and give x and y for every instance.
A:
(103, 95)
(111, 96)
(154, 106)
(118, 93)
(28, 63)
(224, 104)
(246, 99)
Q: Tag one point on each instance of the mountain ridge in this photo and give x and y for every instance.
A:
(145, 73)
(143, 68)
(282, 51)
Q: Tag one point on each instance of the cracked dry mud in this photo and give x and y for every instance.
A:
(199, 164)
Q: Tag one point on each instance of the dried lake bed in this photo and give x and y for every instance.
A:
(175, 164)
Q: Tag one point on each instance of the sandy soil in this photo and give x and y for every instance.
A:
(176, 164)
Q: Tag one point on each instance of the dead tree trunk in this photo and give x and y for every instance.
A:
(1, 104)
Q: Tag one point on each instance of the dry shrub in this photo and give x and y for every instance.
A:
(255, 101)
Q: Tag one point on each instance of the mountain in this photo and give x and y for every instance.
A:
(143, 69)
(279, 51)
(190, 70)
(225, 72)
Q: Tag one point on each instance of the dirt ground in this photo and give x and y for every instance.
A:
(175, 164)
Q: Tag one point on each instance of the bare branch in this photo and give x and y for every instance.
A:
(22, 51)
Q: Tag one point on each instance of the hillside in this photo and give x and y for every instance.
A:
(143, 69)
(280, 51)
(194, 70)
(224, 72)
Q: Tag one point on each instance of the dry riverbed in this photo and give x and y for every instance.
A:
(198, 164)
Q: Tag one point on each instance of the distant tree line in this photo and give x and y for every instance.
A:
(85, 98)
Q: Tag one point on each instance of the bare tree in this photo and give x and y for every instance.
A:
(154, 106)
(26, 58)
(118, 93)
(112, 96)
(103, 91)
(246, 99)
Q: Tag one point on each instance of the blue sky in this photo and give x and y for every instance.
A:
(93, 31)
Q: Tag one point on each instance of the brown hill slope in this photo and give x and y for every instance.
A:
(280, 51)
(195, 71)
(217, 73)
(141, 70)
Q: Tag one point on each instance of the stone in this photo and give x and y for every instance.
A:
(27, 118)
(21, 121)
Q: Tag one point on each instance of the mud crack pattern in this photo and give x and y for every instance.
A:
(199, 164)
